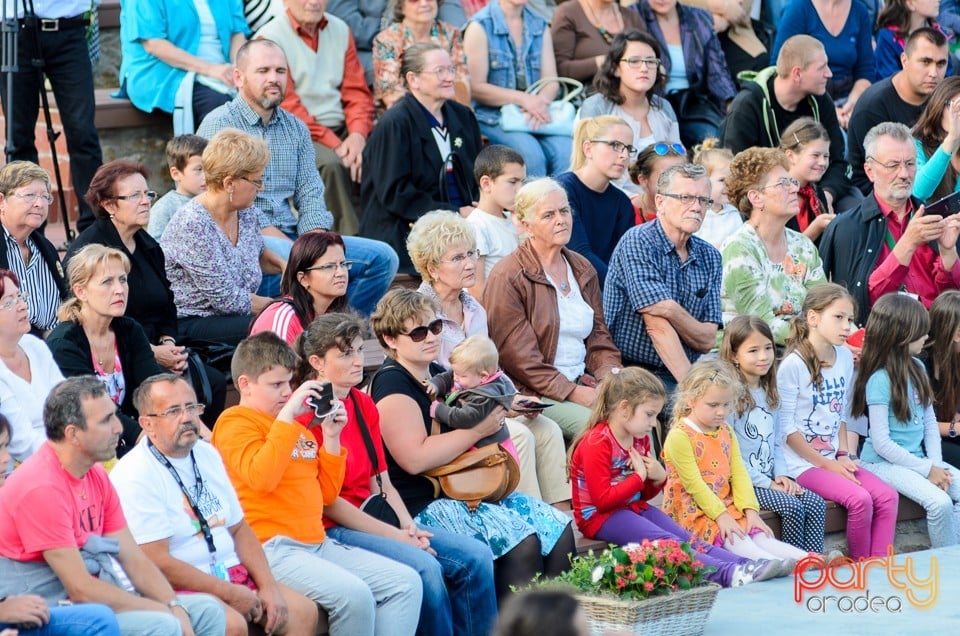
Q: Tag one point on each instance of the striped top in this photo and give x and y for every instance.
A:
(37, 281)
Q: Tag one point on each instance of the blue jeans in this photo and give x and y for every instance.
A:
(206, 616)
(544, 154)
(91, 619)
(466, 604)
(374, 267)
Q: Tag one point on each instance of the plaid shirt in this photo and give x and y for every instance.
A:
(646, 269)
(292, 171)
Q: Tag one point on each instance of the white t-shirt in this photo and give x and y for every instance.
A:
(156, 509)
(496, 237)
(21, 402)
(576, 323)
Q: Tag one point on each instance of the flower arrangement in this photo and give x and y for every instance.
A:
(637, 570)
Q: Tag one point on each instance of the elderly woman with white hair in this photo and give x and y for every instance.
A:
(545, 311)
(443, 249)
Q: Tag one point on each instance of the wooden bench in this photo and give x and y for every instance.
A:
(109, 14)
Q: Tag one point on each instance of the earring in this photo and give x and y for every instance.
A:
(231, 195)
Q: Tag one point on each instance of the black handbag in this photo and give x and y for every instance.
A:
(691, 105)
(376, 505)
(196, 374)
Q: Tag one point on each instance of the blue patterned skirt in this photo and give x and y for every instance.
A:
(502, 525)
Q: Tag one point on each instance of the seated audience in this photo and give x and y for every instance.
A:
(937, 138)
(421, 152)
(898, 98)
(314, 283)
(27, 374)
(95, 337)
(177, 56)
(941, 357)
(545, 313)
(502, 68)
(456, 570)
(583, 32)
(526, 535)
(601, 211)
(285, 473)
(421, 25)
(185, 162)
(908, 252)
(442, 248)
(163, 514)
(213, 246)
(500, 172)
(627, 86)
(721, 219)
(794, 88)
(767, 267)
(121, 219)
(898, 20)
(806, 146)
(59, 505)
(662, 297)
(645, 172)
(24, 205)
(845, 30)
(698, 83)
(327, 90)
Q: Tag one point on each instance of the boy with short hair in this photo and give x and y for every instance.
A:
(186, 169)
(284, 474)
(500, 171)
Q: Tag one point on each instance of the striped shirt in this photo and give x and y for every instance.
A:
(280, 318)
(291, 175)
(37, 281)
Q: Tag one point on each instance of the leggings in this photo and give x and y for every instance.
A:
(626, 526)
(801, 518)
(871, 508)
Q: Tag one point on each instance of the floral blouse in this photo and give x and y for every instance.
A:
(388, 47)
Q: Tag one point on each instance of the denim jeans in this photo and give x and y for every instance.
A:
(458, 592)
(66, 64)
(91, 619)
(374, 267)
(544, 154)
(206, 616)
(364, 594)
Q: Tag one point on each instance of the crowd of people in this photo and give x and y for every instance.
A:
(671, 311)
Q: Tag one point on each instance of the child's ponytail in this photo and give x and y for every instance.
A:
(818, 299)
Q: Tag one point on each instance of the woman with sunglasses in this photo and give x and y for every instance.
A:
(444, 251)
(314, 283)
(602, 213)
(646, 170)
(767, 267)
(120, 199)
(545, 312)
(526, 536)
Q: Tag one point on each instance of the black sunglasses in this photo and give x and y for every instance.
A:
(419, 334)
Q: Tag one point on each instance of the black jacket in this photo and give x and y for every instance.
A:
(850, 247)
(151, 299)
(52, 259)
(405, 176)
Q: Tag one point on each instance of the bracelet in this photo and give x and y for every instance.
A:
(853, 457)
(843, 454)
(167, 339)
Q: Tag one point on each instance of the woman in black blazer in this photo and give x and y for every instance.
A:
(420, 155)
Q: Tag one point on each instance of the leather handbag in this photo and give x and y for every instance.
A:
(488, 473)
(562, 111)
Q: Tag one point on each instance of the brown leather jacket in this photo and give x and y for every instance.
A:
(524, 321)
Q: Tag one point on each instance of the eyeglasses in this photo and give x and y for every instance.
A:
(176, 412)
(686, 200)
(894, 166)
(330, 268)
(31, 197)
(663, 149)
(258, 183)
(137, 196)
(419, 334)
(637, 62)
(786, 183)
(10, 302)
(461, 259)
(617, 146)
(442, 71)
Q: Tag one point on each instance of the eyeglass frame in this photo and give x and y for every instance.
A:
(441, 71)
(30, 198)
(646, 62)
(21, 295)
(419, 334)
(330, 268)
(257, 183)
(194, 409)
(909, 164)
(705, 202)
(461, 259)
(662, 149)
(782, 182)
(632, 151)
(137, 196)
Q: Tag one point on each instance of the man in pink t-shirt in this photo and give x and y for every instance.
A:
(60, 519)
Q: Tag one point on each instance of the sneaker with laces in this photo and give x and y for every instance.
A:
(760, 570)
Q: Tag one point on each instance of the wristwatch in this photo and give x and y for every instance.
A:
(176, 603)
(953, 429)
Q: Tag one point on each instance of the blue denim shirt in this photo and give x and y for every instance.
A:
(501, 71)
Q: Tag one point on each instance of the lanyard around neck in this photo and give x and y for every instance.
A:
(204, 526)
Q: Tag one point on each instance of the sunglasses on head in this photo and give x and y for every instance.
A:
(419, 334)
(665, 149)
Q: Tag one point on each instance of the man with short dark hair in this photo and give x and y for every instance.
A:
(898, 98)
(60, 520)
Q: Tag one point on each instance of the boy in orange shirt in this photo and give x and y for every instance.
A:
(284, 473)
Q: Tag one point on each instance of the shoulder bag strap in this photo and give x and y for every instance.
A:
(367, 441)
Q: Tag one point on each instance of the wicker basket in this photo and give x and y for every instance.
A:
(678, 614)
